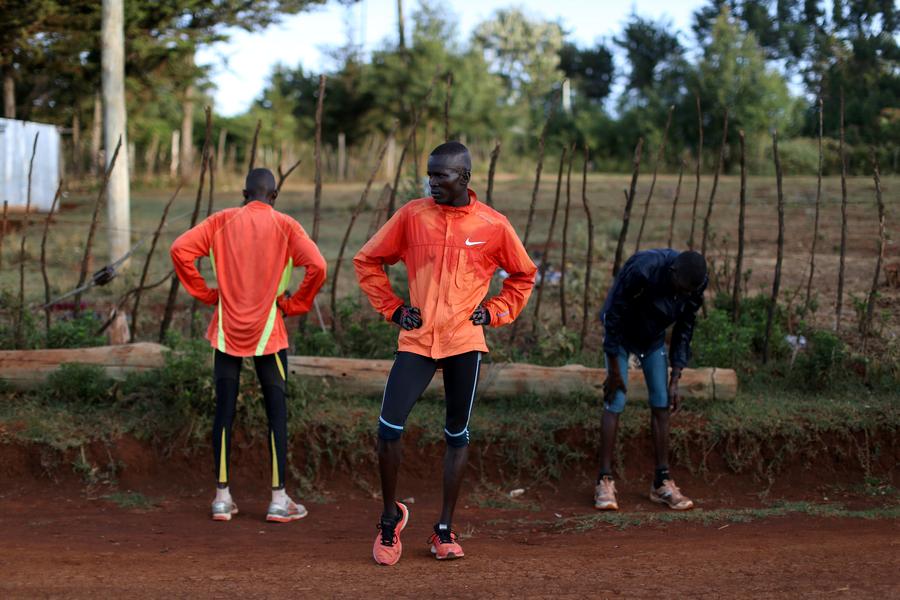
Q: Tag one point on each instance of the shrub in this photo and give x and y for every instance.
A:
(82, 385)
(823, 364)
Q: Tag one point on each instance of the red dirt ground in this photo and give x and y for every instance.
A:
(60, 539)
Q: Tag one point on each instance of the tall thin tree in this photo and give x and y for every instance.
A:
(866, 325)
(20, 313)
(115, 125)
(495, 154)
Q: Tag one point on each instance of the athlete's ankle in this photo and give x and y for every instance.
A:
(391, 513)
(280, 496)
(223, 494)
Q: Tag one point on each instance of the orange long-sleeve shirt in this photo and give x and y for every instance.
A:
(253, 250)
(450, 254)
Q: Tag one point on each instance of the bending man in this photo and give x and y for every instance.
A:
(654, 289)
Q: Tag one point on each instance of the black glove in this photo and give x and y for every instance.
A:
(407, 317)
(481, 316)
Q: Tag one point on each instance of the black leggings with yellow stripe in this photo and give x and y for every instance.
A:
(271, 370)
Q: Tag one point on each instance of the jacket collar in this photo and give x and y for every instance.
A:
(467, 209)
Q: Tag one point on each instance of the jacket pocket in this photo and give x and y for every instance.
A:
(466, 269)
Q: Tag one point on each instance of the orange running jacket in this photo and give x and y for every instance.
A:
(450, 254)
(253, 250)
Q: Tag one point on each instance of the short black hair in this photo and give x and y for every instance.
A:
(454, 149)
(690, 268)
(260, 183)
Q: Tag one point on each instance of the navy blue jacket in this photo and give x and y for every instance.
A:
(641, 304)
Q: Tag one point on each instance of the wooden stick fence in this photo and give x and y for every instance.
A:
(354, 215)
(146, 269)
(812, 249)
(776, 282)
(565, 240)
(495, 154)
(589, 258)
(712, 194)
(866, 324)
(545, 256)
(659, 158)
(20, 319)
(3, 229)
(629, 201)
(699, 164)
(88, 245)
(47, 220)
(252, 160)
(675, 205)
(840, 285)
(739, 261)
(317, 194)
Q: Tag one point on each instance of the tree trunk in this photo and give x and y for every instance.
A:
(342, 157)
(401, 29)
(116, 127)
(151, 155)
(96, 135)
(175, 158)
(220, 150)
(812, 248)
(76, 143)
(589, 258)
(697, 177)
(9, 93)
(187, 133)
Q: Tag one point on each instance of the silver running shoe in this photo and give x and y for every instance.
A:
(285, 513)
(223, 510)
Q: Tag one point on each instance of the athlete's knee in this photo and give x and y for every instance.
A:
(457, 440)
(389, 431)
(617, 404)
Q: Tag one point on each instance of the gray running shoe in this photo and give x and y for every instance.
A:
(285, 513)
(222, 510)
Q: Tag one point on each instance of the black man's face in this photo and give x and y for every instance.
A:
(447, 178)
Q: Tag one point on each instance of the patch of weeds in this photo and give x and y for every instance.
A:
(719, 516)
(490, 495)
(131, 500)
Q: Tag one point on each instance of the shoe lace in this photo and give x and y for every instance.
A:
(443, 536)
(388, 532)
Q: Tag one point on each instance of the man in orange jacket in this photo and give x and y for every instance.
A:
(451, 245)
(253, 250)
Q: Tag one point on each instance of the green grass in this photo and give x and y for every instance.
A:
(722, 516)
(520, 439)
(131, 500)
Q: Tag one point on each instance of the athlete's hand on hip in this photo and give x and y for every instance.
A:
(407, 317)
(674, 392)
(614, 381)
(481, 316)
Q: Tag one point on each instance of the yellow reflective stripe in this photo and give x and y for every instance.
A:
(220, 340)
(223, 469)
(273, 312)
(275, 482)
(280, 367)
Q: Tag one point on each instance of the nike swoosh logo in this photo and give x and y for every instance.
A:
(468, 243)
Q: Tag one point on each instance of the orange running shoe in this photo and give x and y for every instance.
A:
(669, 494)
(444, 544)
(387, 547)
(605, 495)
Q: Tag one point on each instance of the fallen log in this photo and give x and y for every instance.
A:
(367, 377)
(28, 368)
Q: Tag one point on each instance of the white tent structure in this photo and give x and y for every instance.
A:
(16, 142)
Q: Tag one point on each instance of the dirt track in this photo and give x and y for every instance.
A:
(75, 546)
